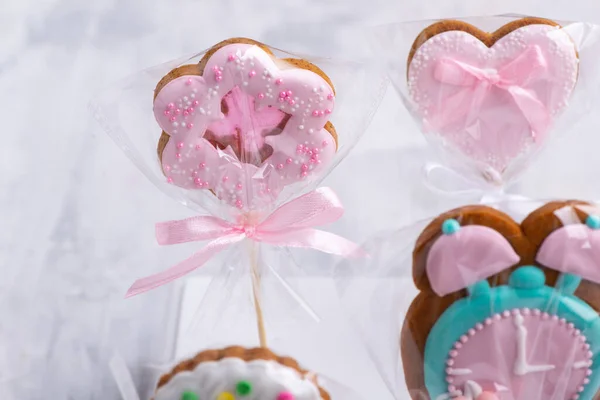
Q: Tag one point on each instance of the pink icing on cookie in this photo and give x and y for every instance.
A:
(493, 105)
(519, 363)
(271, 136)
(460, 259)
(573, 249)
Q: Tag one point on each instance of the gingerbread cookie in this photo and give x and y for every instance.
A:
(236, 373)
(492, 97)
(244, 124)
(506, 311)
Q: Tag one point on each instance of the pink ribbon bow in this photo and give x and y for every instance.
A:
(291, 225)
(512, 77)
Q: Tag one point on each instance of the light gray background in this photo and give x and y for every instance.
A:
(77, 217)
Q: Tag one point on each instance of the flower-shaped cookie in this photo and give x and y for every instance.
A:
(244, 124)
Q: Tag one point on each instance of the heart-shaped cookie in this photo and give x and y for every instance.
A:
(244, 124)
(506, 308)
(491, 97)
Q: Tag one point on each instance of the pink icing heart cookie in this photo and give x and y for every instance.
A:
(491, 97)
(244, 124)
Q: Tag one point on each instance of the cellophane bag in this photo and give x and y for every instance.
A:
(241, 133)
(488, 93)
(483, 304)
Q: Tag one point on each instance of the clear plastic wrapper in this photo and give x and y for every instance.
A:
(248, 133)
(489, 93)
(479, 304)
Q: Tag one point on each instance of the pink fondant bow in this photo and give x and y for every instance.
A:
(476, 81)
(291, 225)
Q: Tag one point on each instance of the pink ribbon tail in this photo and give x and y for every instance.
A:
(323, 241)
(291, 225)
(185, 267)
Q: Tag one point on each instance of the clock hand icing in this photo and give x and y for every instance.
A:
(521, 367)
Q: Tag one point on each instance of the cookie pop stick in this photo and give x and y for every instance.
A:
(262, 333)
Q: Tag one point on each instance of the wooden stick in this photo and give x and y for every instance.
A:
(262, 333)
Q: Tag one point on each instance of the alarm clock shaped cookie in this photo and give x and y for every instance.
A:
(506, 311)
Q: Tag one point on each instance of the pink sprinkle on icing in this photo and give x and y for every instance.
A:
(327, 111)
(289, 161)
(285, 396)
(177, 111)
(180, 145)
(218, 78)
(170, 106)
(278, 81)
(186, 113)
(304, 167)
(289, 93)
(252, 74)
(231, 57)
(330, 96)
(195, 103)
(315, 113)
(238, 186)
(225, 179)
(279, 166)
(188, 82)
(190, 125)
(170, 180)
(239, 204)
(283, 94)
(202, 165)
(261, 96)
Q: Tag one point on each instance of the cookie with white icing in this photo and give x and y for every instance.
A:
(506, 311)
(237, 373)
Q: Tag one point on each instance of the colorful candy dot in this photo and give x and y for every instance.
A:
(243, 388)
(195, 102)
(231, 57)
(261, 96)
(226, 396)
(330, 96)
(289, 161)
(188, 82)
(315, 113)
(593, 221)
(450, 226)
(189, 395)
(285, 396)
(170, 106)
(278, 81)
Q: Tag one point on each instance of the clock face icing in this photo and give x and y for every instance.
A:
(521, 354)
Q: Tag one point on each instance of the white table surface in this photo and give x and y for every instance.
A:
(77, 217)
